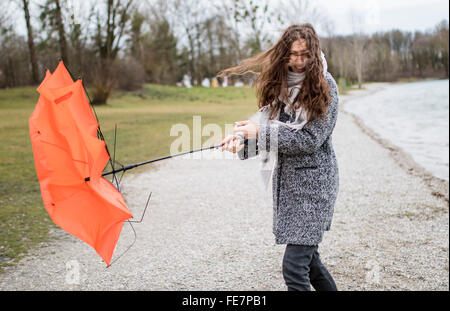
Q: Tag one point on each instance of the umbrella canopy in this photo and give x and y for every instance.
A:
(69, 162)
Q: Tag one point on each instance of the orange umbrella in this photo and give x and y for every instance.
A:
(70, 160)
(69, 163)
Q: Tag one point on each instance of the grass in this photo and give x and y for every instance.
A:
(144, 119)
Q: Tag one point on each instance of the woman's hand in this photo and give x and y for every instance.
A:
(231, 143)
(249, 128)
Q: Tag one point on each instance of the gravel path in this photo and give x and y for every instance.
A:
(208, 227)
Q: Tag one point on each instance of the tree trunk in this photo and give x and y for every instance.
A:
(62, 35)
(31, 48)
(108, 39)
(192, 57)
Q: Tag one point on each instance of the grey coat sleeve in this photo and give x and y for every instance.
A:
(311, 137)
(250, 149)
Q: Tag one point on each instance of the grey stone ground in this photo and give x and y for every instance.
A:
(208, 227)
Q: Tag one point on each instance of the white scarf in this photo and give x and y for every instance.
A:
(269, 159)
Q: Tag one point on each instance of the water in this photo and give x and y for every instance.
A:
(413, 116)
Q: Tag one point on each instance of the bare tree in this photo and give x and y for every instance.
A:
(108, 39)
(359, 44)
(301, 11)
(235, 37)
(118, 43)
(254, 16)
(31, 47)
(61, 33)
(190, 16)
(14, 56)
(51, 16)
(440, 45)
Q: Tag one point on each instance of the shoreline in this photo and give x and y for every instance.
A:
(437, 186)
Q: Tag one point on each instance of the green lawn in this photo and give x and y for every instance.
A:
(144, 119)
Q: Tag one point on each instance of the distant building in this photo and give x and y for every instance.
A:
(206, 83)
(214, 82)
(225, 82)
(239, 83)
(187, 81)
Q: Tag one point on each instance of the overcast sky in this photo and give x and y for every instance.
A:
(385, 15)
(377, 15)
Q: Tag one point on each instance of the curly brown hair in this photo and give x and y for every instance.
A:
(271, 68)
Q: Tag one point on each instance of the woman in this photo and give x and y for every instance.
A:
(298, 101)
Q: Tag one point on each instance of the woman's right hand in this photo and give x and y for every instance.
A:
(231, 143)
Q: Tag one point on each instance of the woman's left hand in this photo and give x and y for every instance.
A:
(249, 128)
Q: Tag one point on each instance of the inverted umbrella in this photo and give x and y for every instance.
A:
(69, 161)
(66, 151)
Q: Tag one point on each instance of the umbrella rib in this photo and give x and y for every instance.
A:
(143, 213)
(134, 231)
(114, 157)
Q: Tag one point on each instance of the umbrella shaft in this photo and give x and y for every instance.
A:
(128, 167)
(125, 168)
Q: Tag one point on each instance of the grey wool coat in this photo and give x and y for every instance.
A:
(305, 181)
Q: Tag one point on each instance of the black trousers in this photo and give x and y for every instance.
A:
(302, 268)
